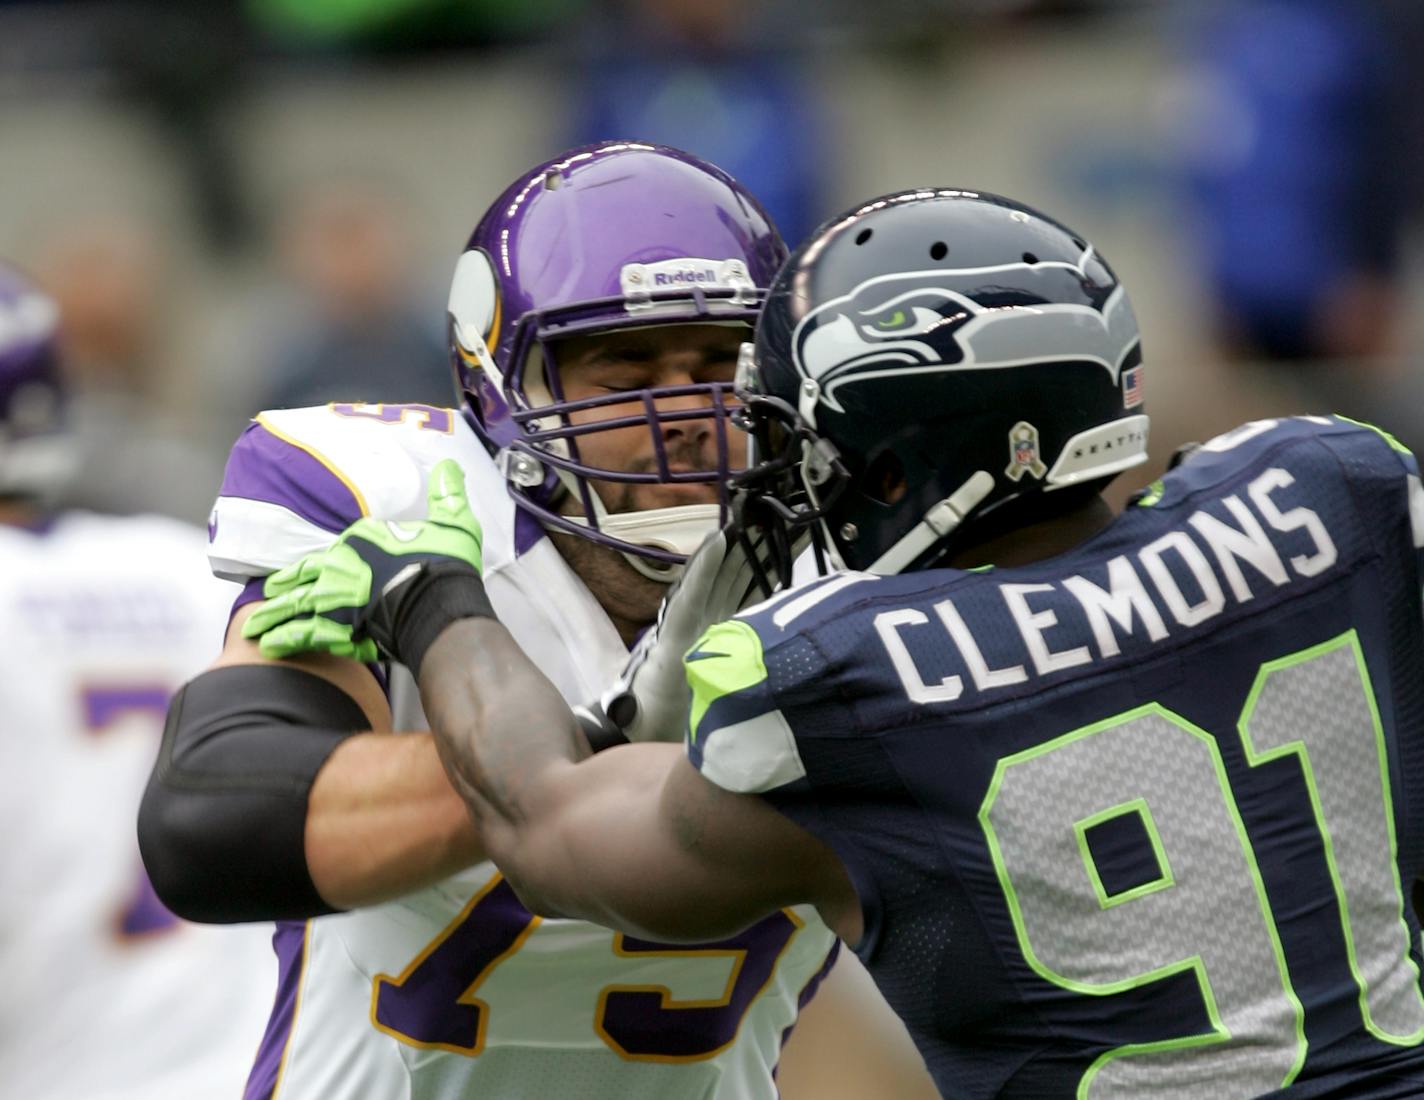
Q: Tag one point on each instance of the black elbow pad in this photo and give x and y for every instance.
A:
(222, 826)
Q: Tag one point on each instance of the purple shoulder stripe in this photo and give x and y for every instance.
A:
(251, 593)
(266, 467)
(289, 941)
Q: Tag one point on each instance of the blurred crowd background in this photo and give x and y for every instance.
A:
(251, 203)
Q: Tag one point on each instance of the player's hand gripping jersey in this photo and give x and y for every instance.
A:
(458, 990)
(107, 994)
(1139, 820)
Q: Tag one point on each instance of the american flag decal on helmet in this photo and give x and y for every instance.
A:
(1132, 388)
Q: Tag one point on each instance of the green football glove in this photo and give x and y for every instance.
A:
(383, 589)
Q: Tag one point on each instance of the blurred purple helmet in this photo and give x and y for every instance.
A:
(605, 237)
(35, 451)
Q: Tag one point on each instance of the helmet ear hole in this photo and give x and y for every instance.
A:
(884, 479)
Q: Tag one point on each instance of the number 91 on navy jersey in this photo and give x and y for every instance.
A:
(1130, 821)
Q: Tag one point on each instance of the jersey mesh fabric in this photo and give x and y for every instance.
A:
(905, 792)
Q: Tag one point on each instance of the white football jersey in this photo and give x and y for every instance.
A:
(457, 990)
(107, 995)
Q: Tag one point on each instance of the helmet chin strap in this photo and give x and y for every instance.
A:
(677, 530)
(938, 522)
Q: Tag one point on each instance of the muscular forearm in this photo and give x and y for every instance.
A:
(383, 820)
(575, 833)
(502, 729)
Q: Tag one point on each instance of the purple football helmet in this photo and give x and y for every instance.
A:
(35, 452)
(605, 237)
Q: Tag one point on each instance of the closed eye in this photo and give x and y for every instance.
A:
(619, 377)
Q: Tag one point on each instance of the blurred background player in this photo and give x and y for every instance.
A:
(595, 318)
(108, 994)
(1111, 805)
(717, 78)
(351, 306)
(197, 125)
(112, 278)
(1302, 158)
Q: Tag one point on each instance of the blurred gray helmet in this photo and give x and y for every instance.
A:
(36, 452)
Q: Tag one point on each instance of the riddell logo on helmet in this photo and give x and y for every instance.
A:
(640, 282)
(685, 276)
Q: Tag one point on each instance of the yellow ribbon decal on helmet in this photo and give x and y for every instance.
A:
(1023, 452)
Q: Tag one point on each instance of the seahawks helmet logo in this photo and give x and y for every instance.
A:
(926, 321)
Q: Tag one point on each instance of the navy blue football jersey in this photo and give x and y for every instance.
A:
(1142, 819)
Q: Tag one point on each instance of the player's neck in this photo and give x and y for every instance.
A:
(1036, 541)
(630, 599)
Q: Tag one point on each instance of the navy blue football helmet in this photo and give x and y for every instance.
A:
(930, 367)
